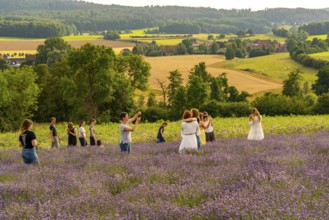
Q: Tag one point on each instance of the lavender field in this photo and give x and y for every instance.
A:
(281, 177)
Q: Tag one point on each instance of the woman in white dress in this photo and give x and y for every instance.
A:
(256, 129)
(189, 130)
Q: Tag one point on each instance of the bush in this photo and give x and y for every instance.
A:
(227, 109)
(153, 114)
(322, 106)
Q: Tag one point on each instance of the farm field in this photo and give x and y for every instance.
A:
(161, 66)
(146, 132)
(276, 66)
(281, 177)
(15, 45)
(323, 55)
(322, 37)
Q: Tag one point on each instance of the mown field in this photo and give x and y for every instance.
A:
(146, 132)
(17, 45)
(281, 177)
(276, 66)
(161, 66)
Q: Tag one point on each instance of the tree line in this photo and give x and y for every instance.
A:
(88, 17)
(35, 29)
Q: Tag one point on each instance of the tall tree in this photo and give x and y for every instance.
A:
(91, 77)
(292, 86)
(197, 92)
(18, 97)
(175, 81)
(136, 69)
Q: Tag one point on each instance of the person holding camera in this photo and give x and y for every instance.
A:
(125, 130)
(209, 129)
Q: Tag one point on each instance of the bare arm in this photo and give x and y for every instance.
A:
(34, 143)
(130, 120)
(190, 119)
(128, 128)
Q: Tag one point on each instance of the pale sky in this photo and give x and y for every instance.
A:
(225, 4)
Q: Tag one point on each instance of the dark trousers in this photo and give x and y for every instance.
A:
(83, 142)
(210, 136)
(92, 141)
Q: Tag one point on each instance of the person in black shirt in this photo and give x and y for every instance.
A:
(28, 141)
(160, 136)
(72, 135)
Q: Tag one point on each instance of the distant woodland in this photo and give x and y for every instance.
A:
(46, 18)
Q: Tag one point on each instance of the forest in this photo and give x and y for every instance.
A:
(71, 16)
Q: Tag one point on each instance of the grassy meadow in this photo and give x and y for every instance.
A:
(146, 132)
(322, 37)
(276, 66)
(322, 56)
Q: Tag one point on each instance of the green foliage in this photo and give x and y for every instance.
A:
(197, 92)
(136, 70)
(51, 51)
(275, 104)
(227, 109)
(18, 97)
(175, 81)
(230, 53)
(315, 28)
(153, 114)
(111, 35)
(321, 85)
(292, 85)
(322, 106)
(3, 65)
(35, 29)
(151, 101)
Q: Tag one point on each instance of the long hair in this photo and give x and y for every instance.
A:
(25, 126)
(195, 114)
(187, 114)
(81, 123)
(91, 121)
(255, 112)
(70, 125)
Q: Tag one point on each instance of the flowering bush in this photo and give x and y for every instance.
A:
(280, 177)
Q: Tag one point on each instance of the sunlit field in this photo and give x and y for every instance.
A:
(146, 132)
(276, 66)
(323, 55)
(322, 37)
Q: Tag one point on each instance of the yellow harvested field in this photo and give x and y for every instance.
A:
(161, 66)
(21, 45)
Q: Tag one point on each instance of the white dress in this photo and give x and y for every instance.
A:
(189, 132)
(256, 129)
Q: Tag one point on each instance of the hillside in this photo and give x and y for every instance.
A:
(95, 17)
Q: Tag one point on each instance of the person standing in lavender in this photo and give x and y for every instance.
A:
(53, 133)
(28, 141)
(125, 130)
(160, 136)
(82, 134)
(92, 132)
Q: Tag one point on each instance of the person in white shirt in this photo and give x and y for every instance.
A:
(125, 130)
(189, 132)
(209, 129)
(82, 134)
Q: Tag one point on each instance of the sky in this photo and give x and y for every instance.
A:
(223, 4)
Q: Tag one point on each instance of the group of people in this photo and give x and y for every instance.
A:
(196, 130)
(73, 134)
